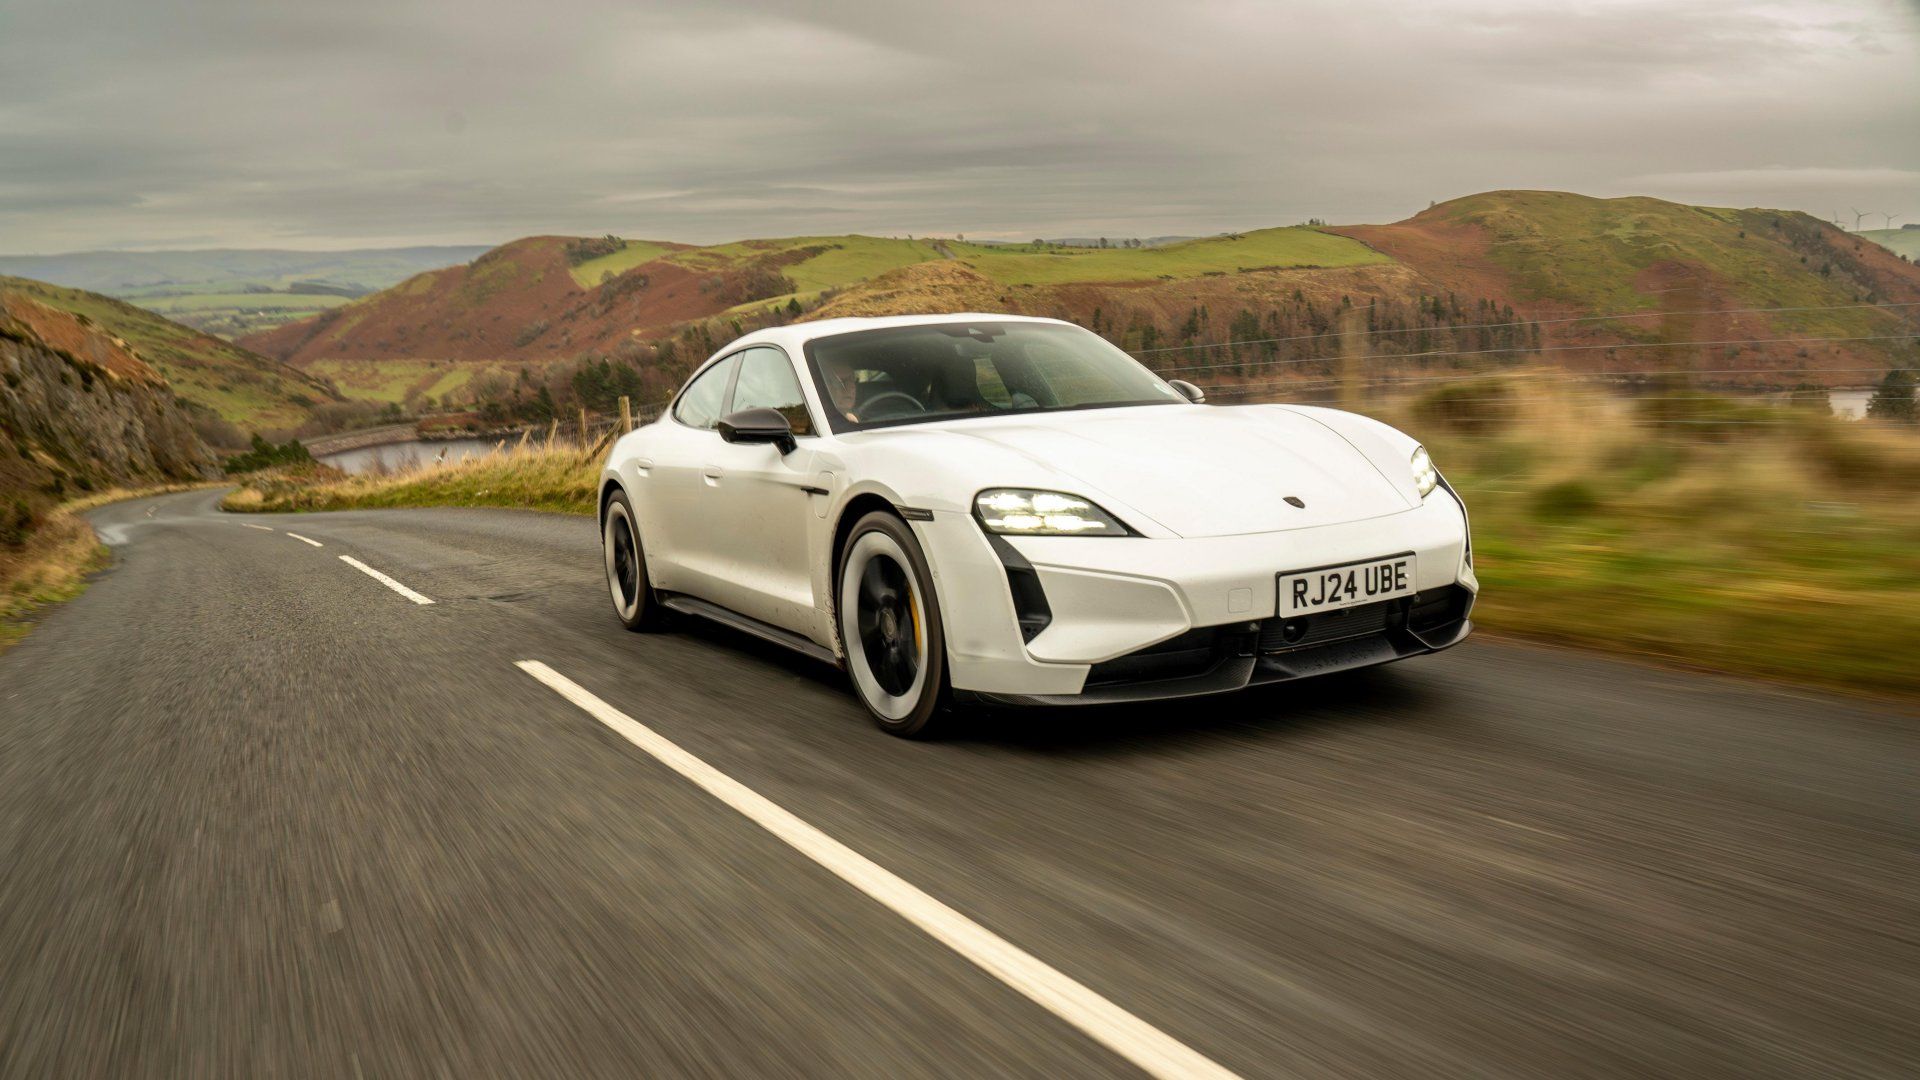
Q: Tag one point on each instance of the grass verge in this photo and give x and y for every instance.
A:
(1702, 531)
(53, 563)
(560, 479)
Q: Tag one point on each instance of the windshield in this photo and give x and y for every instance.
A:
(947, 371)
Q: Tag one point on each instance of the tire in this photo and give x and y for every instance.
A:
(632, 593)
(889, 623)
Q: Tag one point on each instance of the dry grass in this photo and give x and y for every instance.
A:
(53, 564)
(1737, 537)
(562, 479)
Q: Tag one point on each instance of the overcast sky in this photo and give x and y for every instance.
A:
(335, 123)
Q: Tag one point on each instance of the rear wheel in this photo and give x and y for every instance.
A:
(633, 598)
(889, 621)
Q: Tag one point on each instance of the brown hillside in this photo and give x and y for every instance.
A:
(520, 303)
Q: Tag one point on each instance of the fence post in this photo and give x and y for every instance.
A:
(1352, 352)
(583, 425)
(553, 430)
(626, 413)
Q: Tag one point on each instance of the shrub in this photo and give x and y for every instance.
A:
(1566, 499)
(1472, 406)
(266, 455)
(17, 523)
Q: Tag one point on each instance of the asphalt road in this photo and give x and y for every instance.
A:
(262, 815)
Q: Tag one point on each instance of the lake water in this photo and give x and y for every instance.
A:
(404, 455)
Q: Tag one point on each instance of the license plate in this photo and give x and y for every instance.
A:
(1346, 585)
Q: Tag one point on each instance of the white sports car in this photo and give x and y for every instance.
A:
(1011, 510)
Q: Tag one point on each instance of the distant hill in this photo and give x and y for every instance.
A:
(242, 387)
(536, 300)
(1903, 241)
(236, 291)
(1491, 274)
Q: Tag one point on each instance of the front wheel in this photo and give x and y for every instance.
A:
(633, 598)
(889, 621)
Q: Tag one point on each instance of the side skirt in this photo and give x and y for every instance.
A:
(690, 605)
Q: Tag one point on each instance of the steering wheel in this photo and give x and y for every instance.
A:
(867, 409)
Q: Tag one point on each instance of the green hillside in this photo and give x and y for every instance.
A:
(244, 388)
(1607, 255)
(1899, 241)
(1291, 247)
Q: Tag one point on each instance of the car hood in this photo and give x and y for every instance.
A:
(1201, 471)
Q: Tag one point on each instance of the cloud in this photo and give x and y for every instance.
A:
(155, 122)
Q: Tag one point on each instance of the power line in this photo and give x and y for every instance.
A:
(1525, 322)
(1548, 349)
(1323, 381)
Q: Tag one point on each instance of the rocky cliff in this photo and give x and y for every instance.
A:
(81, 411)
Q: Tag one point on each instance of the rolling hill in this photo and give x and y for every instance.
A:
(1559, 256)
(1508, 257)
(241, 387)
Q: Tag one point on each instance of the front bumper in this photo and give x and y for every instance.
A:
(1115, 602)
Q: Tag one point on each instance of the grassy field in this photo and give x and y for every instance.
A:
(1899, 241)
(386, 381)
(53, 564)
(210, 303)
(1738, 537)
(588, 274)
(250, 390)
(1284, 247)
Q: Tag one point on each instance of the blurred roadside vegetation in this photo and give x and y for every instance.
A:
(1713, 531)
(47, 553)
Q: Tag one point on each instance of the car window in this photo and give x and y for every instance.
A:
(952, 370)
(700, 403)
(767, 382)
(992, 387)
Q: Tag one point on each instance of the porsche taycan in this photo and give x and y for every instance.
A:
(1009, 510)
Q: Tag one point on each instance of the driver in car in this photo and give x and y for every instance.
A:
(843, 387)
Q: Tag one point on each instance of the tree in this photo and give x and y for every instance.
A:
(1895, 398)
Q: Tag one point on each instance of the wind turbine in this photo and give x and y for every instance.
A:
(1890, 218)
(1857, 215)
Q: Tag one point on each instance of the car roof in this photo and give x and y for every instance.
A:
(795, 335)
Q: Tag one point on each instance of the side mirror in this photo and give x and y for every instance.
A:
(1189, 391)
(758, 426)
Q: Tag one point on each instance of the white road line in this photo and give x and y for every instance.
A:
(304, 540)
(383, 579)
(250, 525)
(1146, 1046)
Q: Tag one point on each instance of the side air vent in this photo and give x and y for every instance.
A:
(1029, 599)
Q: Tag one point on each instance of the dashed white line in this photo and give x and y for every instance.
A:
(1146, 1046)
(304, 540)
(384, 580)
(250, 525)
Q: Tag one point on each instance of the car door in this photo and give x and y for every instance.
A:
(675, 501)
(761, 518)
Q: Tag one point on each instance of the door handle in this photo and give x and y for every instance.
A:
(713, 474)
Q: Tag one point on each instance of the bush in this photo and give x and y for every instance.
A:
(1894, 400)
(1471, 407)
(1566, 499)
(17, 523)
(266, 455)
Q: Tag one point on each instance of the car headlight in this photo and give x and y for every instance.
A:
(1425, 477)
(1019, 512)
